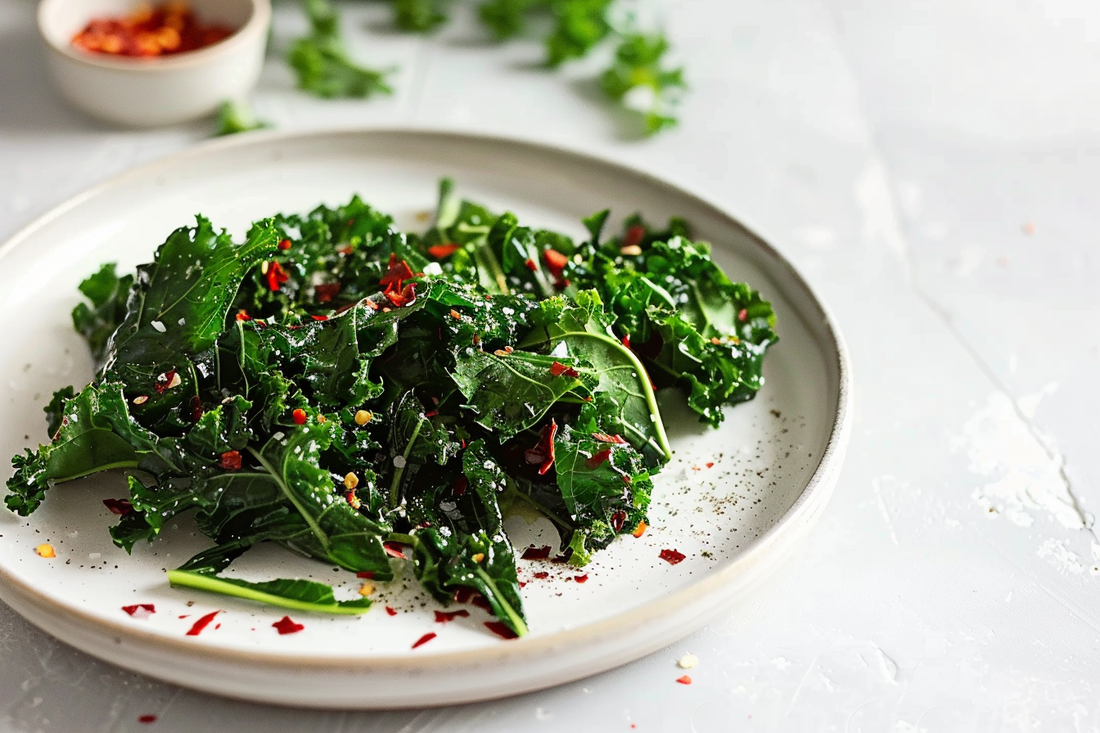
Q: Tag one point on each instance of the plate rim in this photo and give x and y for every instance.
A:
(806, 506)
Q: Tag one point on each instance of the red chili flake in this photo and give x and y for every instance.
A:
(143, 607)
(400, 298)
(424, 639)
(605, 438)
(164, 381)
(640, 529)
(672, 557)
(555, 262)
(391, 611)
(326, 292)
(121, 507)
(559, 560)
(231, 460)
(463, 594)
(319, 318)
(285, 244)
(685, 680)
(242, 315)
(598, 459)
(398, 271)
(345, 250)
(367, 302)
(202, 623)
(196, 408)
(147, 718)
(442, 617)
(542, 455)
(287, 626)
(365, 574)
(617, 520)
(533, 553)
(460, 486)
(581, 578)
(558, 369)
(532, 265)
(393, 550)
(541, 575)
(626, 340)
(482, 602)
(634, 236)
(500, 629)
(441, 251)
(299, 416)
(710, 464)
(433, 413)
(276, 276)
(743, 314)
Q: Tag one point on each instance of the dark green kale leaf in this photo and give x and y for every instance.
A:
(580, 329)
(95, 433)
(467, 547)
(639, 70)
(604, 483)
(509, 392)
(107, 293)
(178, 304)
(322, 62)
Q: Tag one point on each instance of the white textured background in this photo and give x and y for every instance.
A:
(934, 170)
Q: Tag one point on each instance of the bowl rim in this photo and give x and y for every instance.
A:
(259, 19)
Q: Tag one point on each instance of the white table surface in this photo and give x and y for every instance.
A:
(933, 168)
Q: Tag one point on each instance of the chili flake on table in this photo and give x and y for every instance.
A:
(163, 30)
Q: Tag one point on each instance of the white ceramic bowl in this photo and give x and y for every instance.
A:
(157, 91)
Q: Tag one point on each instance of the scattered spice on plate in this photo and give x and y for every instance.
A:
(424, 639)
(202, 623)
(286, 625)
(147, 718)
(45, 550)
(685, 680)
(140, 609)
(672, 557)
(391, 611)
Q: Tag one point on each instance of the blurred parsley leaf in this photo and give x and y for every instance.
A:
(322, 62)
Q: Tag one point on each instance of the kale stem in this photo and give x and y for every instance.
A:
(399, 471)
(516, 621)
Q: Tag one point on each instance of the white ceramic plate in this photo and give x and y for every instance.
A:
(733, 500)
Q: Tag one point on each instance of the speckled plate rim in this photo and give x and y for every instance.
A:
(53, 617)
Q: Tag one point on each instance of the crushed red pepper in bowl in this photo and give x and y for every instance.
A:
(150, 31)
